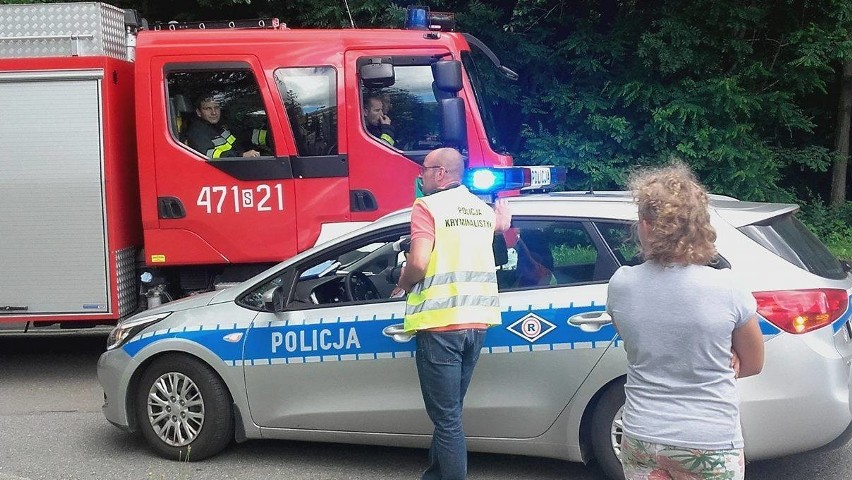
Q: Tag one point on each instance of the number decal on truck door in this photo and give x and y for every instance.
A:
(214, 199)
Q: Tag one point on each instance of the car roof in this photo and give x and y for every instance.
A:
(619, 205)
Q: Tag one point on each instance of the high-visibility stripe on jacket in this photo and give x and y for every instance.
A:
(387, 139)
(221, 144)
(258, 136)
(460, 285)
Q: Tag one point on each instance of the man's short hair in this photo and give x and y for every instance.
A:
(207, 97)
(369, 98)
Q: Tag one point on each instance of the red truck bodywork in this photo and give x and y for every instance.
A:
(267, 211)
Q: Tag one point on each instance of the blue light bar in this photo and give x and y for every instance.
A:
(417, 18)
(492, 180)
(495, 179)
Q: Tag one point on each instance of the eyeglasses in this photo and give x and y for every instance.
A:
(423, 168)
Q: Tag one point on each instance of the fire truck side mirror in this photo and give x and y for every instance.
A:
(447, 75)
(376, 74)
(274, 299)
(453, 123)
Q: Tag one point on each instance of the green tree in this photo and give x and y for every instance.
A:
(609, 85)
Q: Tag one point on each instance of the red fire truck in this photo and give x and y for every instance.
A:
(106, 203)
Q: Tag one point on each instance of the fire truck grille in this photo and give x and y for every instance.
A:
(125, 265)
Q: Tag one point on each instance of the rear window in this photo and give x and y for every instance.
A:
(788, 238)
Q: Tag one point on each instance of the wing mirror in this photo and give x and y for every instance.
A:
(274, 300)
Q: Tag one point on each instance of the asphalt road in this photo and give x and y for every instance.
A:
(51, 428)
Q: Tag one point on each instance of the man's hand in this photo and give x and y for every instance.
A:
(385, 120)
(503, 214)
(251, 153)
(397, 292)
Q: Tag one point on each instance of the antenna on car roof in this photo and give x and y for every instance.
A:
(346, 2)
(591, 186)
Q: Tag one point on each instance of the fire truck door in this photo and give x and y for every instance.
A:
(224, 180)
(52, 234)
(393, 127)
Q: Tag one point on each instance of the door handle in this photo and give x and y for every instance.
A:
(397, 333)
(590, 322)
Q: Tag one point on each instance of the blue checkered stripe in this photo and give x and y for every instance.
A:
(334, 339)
(331, 339)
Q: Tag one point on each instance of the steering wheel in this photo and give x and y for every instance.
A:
(359, 287)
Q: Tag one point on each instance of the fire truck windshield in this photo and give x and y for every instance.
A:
(482, 76)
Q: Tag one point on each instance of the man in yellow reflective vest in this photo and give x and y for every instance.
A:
(452, 298)
(206, 135)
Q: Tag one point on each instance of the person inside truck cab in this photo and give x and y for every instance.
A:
(207, 134)
(377, 121)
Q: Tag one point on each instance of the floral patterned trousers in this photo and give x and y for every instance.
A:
(654, 461)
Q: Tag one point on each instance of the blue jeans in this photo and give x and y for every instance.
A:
(445, 362)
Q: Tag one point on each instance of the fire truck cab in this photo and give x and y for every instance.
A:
(150, 163)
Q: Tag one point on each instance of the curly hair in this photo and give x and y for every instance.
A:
(674, 205)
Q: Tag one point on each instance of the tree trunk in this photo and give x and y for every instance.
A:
(841, 138)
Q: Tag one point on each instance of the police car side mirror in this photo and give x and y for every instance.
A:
(273, 300)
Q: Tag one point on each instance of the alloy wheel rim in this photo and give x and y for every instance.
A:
(616, 431)
(175, 409)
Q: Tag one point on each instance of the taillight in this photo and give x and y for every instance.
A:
(800, 311)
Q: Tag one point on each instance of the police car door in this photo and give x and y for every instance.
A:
(326, 362)
(553, 283)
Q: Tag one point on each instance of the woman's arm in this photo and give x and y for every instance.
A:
(747, 342)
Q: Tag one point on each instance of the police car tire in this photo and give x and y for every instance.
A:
(607, 408)
(217, 430)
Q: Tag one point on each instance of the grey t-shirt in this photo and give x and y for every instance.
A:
(676, 324)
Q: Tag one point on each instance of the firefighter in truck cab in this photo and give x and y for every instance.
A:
(207, 135)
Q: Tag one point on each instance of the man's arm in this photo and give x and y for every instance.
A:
(416, 263)
(197, 139)
(420, 250)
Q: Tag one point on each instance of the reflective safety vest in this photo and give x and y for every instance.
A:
(221, 144)
(460, 284)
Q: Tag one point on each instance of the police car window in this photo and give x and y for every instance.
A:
(218, 113)
(310, 98)
(404, 115)
(547, 253)
(365, 272)
(622, 241)
(361, 272)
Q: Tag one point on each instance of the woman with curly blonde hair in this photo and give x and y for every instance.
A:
(689, 331)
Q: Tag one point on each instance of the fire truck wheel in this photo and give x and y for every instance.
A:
(184, 409)
(606, 430)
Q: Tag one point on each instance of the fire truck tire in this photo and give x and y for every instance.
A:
(606, 430)
(184, 409)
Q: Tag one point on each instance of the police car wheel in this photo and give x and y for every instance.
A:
(184, 409)
(607, 430)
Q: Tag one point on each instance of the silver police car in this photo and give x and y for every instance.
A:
(313, 349)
